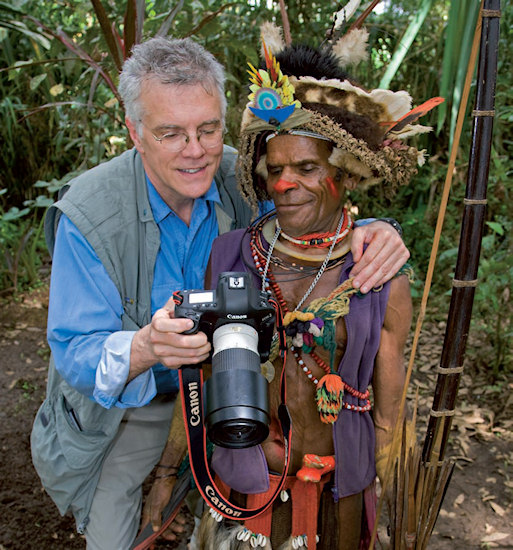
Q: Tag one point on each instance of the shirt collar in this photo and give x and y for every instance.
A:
(160, 209)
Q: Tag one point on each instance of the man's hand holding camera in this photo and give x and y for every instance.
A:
(162, 342)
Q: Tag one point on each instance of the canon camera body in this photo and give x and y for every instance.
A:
(239, 322)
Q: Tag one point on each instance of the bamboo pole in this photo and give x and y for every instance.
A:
(465, 278)
(432, 478)
(431, 266)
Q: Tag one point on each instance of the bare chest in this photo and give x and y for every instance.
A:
(302, 371)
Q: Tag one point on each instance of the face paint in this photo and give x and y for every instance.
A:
(332, 188)
(283, 186)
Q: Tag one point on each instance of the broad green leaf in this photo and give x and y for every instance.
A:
(36, 81)
(448, 254)
(42, 201)
(497, 227)
(14, 213)
(405, 43)
(22, 28)
(449, 59)
(458, 44)
(22, 63)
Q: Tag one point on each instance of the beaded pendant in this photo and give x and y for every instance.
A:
(329, 396)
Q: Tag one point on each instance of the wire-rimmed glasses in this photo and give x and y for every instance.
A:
(208, 136)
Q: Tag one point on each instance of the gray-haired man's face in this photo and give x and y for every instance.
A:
(173, 113)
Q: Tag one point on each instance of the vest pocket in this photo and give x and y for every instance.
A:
(66, 457)
(80, 447)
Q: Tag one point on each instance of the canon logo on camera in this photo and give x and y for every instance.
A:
(233, 316)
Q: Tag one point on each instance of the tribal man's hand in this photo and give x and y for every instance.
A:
(156, 501)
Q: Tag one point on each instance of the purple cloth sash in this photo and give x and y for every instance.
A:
(353, 432)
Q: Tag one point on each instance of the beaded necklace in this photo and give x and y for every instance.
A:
(331, 387)
(260, 254)
(319, 240)
(319, 273)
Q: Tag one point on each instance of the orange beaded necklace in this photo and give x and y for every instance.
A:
(331, 387)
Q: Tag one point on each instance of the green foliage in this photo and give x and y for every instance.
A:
(493, 314)
(493, 308)
(459, 36)
(55, 119)
(22, 246)
(405, 43)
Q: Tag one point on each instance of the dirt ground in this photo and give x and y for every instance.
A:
(477, 510)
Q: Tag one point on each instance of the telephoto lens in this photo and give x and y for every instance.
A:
(236, 395)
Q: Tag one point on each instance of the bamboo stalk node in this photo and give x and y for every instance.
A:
(490, 13)
(449, 370)
(438, 414)
(478, 112)
(457, 283)
(472, 202)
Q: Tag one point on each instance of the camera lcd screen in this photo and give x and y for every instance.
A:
(201, 297)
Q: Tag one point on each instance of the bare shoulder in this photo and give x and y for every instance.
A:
(399, 308)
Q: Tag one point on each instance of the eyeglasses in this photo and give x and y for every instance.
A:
(208, 137)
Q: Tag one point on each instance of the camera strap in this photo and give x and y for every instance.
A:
(191, 383)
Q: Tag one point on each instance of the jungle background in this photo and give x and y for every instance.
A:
(61, 114)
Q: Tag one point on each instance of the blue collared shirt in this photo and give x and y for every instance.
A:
(90, 349)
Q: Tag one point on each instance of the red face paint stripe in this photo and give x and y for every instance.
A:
(332, 188)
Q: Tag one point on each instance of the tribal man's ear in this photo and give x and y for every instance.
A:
(351, 181)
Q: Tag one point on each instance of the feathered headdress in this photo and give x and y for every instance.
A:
(307, 89)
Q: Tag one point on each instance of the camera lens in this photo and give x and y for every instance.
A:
(235, 336)
(238, 429)
(237, 403)
(237, 433)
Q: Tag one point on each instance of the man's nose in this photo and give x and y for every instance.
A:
(282, 186)
(193, 147)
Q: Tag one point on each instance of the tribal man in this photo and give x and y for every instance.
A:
(310, 134)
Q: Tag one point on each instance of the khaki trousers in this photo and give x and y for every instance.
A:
(116, 510)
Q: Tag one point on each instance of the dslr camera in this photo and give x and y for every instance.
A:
(239, 322)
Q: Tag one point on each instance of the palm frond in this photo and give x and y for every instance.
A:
(405, 43)
(458, 43)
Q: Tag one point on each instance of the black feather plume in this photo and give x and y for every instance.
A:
(303, 60)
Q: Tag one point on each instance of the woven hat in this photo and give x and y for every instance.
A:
(306, 91)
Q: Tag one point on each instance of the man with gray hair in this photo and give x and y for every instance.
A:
(123, 236)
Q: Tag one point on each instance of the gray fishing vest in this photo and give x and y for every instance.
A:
(110, 207)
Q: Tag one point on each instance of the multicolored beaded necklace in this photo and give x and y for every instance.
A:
(319, 240)
(296, 270)
(304, 327)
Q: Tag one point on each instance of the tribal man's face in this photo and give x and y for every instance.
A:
(303, 184)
